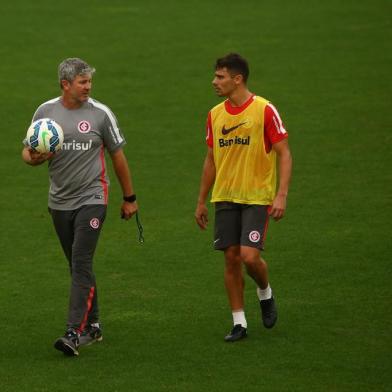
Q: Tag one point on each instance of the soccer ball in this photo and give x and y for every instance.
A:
(45, 135)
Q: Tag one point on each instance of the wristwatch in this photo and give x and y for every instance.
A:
(130, 199)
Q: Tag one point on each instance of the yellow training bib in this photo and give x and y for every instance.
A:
(245, 173)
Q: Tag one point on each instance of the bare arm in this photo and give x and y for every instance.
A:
(285, 165)
(207, 180)
(121, 168)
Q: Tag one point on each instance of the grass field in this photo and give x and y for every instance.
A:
(327, 67)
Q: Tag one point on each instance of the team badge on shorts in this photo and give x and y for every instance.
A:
(254, 236)
(94, 223)
(84, 126)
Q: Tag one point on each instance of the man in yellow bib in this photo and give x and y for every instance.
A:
(245, 139)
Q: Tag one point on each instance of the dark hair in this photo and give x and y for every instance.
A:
(235, 64)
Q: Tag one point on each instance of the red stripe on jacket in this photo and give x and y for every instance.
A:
(103, 175)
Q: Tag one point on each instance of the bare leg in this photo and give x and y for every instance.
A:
(255, 266)
(234, 280)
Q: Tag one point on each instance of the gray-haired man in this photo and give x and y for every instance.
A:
(78, 191)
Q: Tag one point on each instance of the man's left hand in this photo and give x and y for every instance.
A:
(128, 210)
(278, 207)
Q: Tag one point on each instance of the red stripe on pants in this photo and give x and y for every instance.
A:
(89, 305)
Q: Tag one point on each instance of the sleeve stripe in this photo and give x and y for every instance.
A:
(280, 127)
(208, 132)
(114, 128)
(209, 137)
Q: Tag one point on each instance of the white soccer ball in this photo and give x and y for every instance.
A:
(45, 135)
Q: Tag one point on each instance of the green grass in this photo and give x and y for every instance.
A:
(326, 66)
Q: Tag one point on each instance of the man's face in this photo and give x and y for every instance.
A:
(225, 83)
(79, 89)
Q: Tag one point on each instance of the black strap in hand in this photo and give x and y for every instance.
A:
(140, 228)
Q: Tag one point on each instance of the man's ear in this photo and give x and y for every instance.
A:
(238, 79)
(65, 84)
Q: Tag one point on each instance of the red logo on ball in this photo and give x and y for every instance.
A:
(84, 126)
(94, 223)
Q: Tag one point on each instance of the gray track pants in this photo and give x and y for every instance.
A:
(78, 231)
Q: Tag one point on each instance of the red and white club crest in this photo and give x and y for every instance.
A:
(84, 126)
(254, 236)
(94, 223)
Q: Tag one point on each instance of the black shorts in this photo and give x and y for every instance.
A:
(240, 224)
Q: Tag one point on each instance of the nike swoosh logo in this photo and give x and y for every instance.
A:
(44, 133)
(225, 131)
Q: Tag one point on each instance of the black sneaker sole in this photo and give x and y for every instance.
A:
(236, 337)
(81, 343)
(271, 324)
(66, 348)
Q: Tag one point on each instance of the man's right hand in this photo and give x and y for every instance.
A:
(201, 215)
(34, 158)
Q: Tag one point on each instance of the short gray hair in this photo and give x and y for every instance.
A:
(70, 68)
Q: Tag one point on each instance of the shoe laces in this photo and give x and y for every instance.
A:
(70, 333)
(236, 328)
